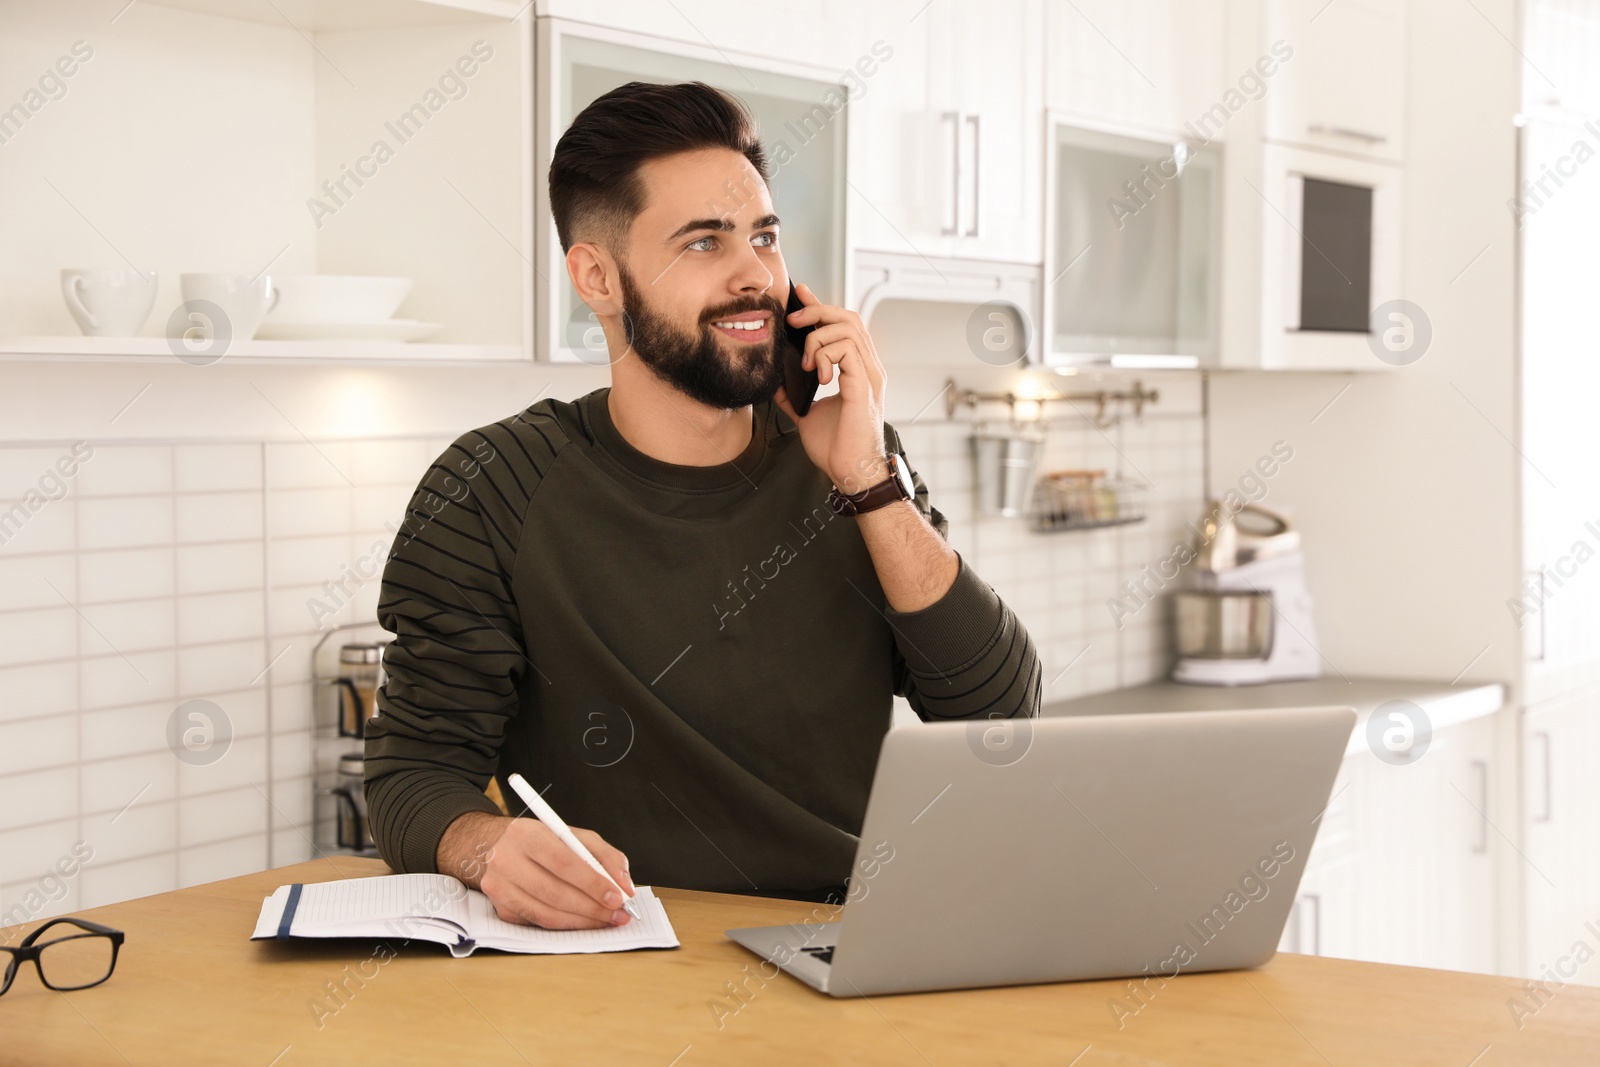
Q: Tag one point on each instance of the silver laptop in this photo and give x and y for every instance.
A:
(1001, 852)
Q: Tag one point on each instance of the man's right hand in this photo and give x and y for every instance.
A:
(530, 876)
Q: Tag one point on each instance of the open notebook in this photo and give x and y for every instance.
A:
(437, 907)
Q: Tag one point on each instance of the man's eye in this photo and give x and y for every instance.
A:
(704, 244)
(765, 240)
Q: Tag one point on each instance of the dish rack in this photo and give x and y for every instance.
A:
(1085, 500)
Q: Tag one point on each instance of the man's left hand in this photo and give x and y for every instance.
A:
(843, 434)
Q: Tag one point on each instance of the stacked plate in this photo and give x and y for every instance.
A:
(341, 307)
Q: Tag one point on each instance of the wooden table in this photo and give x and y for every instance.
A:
(190, 988)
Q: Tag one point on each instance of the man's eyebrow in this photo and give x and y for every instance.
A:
(719, 225)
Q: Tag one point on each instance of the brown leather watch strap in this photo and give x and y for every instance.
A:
(893, 488)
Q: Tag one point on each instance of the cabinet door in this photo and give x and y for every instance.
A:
(1558, 608)
(893, 194)
(1561, 877)
(947, 157)
(1326, 913)
(988, 97)
(1136, 66)
(1344, 87)
(1427, 854)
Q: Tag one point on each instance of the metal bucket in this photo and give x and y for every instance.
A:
(1003, 470)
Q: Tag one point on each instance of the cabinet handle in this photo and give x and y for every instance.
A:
(1482, 767)
(1543, 596)
(1544, 736)
(1316, 922)
(977, 164)
(1345, 131)
(953, 228)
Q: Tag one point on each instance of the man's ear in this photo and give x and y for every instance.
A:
(595, 276)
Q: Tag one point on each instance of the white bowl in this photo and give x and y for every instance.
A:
(312, 298)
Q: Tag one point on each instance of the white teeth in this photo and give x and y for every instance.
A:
(752, 324)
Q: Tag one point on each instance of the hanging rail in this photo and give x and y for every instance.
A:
(1136, 399)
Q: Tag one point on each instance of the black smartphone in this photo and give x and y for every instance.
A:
(800, 384)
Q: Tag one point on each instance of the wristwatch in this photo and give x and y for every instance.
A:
(897, 486)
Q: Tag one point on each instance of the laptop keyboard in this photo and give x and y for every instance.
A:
(823, 953)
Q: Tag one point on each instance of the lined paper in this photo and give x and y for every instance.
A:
(652, 930)
(439, 908)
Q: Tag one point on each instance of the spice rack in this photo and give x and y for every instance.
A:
(1085, 500)
(1006, 480)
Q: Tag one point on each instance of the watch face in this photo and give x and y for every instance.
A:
(897, 463)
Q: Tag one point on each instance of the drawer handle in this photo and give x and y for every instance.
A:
(1544, 737)
(1482, 767)
(953, 229)
(1345, 131)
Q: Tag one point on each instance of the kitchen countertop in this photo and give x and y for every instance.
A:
(1443, 703)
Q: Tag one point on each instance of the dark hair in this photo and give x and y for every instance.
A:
(595, 189)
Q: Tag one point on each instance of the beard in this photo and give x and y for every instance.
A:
(696, 363)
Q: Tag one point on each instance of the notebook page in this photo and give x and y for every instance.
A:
(654, 930)
(396, 905)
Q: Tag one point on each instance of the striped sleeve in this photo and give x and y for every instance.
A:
(967, 655)
(453, 668)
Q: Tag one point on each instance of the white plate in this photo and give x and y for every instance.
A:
(386, 330)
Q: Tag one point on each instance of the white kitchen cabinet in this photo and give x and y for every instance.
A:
(1328, 260)
(949, 152)
(1132, 227)
(803, 114)
(1343, 90)
(1139, 67)
(1402, 870)
(1561, 799)
(1324, 920)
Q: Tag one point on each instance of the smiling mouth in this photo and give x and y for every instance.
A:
(748, 328)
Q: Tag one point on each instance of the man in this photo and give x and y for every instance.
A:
(645, 601)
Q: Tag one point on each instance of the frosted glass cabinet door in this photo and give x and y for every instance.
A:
(1131, 247)
(803, 127)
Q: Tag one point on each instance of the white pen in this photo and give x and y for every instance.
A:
(547, 815)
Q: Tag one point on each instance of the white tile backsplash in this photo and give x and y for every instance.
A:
(180, 570)
(125, 522)
(202, 468)
(27, 581)
(226, 516)
(127, 470)
(41, 634)
(124, 574)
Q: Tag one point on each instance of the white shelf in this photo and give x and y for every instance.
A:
(313, 16)
(158, 350)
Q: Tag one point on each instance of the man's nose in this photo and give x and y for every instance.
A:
(751, 274)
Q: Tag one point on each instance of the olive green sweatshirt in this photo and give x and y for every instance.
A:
(698, 663)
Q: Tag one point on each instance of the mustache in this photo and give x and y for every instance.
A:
(763, 302)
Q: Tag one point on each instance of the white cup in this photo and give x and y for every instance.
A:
(245, 299)
(109, 303)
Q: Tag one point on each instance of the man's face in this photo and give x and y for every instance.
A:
(703, 280)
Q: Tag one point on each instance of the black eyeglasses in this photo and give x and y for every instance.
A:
(69, 961)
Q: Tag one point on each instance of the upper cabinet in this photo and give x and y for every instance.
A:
(803, 114)
(1141, 67)
(1313, 112)
(1344, 89)
(947, 148)
(1132, 232)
